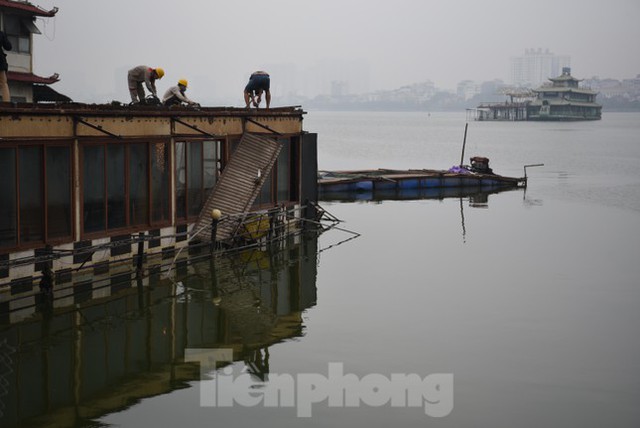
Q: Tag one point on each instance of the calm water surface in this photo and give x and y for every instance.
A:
(530, 299)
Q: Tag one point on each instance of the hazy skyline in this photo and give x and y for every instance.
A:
(216, 45)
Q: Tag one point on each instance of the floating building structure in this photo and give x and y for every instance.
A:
(85, 186)
(562, 100)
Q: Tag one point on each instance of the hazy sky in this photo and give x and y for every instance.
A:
(217, 44)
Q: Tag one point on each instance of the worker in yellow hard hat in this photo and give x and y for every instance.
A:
(143, 74)
(176, 94)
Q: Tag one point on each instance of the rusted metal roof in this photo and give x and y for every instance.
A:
(119, 109)
(23, 6)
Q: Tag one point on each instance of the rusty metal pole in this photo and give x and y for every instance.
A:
(464, 143)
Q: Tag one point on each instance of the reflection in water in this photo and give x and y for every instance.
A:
(475, 193)
(74, 364)
(478, 196)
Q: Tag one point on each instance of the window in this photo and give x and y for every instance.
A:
(8, 198)
(18, 31)
(31, 207)
(35, 210)
(93, 181)
(124, 186)
(284, 173)
(58, 192)
(264, 197)
(116, 191)
(159, 183)
(139, 187)
(197, 165)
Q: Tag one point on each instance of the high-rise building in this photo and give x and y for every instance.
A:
(536, 66)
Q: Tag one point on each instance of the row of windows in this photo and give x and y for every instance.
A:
(125, 187)
(570, 96)
(36, 186)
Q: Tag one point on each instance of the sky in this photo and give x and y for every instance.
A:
(377, 45)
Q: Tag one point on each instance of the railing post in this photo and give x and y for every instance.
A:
(140, 255)
(215, 218)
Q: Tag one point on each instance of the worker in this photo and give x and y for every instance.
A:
(143, 74)
(259, 83)
(5, 44)
(176, 94)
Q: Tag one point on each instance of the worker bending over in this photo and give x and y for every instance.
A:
(143, 74)
(259, 82)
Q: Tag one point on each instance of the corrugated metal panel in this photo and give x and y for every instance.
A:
(239, 185)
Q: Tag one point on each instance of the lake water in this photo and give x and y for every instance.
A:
(530, 299)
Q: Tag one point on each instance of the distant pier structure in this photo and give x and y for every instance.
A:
(514, 109)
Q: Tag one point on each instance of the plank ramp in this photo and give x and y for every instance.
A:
(239, 185)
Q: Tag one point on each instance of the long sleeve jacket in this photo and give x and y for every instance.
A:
(142, 73)
(175, 91)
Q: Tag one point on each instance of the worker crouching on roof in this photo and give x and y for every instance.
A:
(143, 74)
(259, 82)
(176, 94)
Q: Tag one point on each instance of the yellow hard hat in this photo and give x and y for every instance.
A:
(159, 72)
(183, 82)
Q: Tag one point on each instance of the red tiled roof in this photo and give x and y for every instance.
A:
(16, 76)
(27, 7)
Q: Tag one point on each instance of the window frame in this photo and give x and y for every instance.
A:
(294, 181)
(128, 227)
(220, 155)
(44, 197)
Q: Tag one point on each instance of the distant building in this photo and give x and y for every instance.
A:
(613, 88)
(467, 89)
(339, 88)
(536, 66)
(562, 99)
(17, 21)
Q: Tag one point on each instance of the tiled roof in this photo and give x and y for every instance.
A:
(564, 89)
(15, 76)
(563, 78)
(27, 7)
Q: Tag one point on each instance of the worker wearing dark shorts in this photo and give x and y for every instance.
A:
(259, 83)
